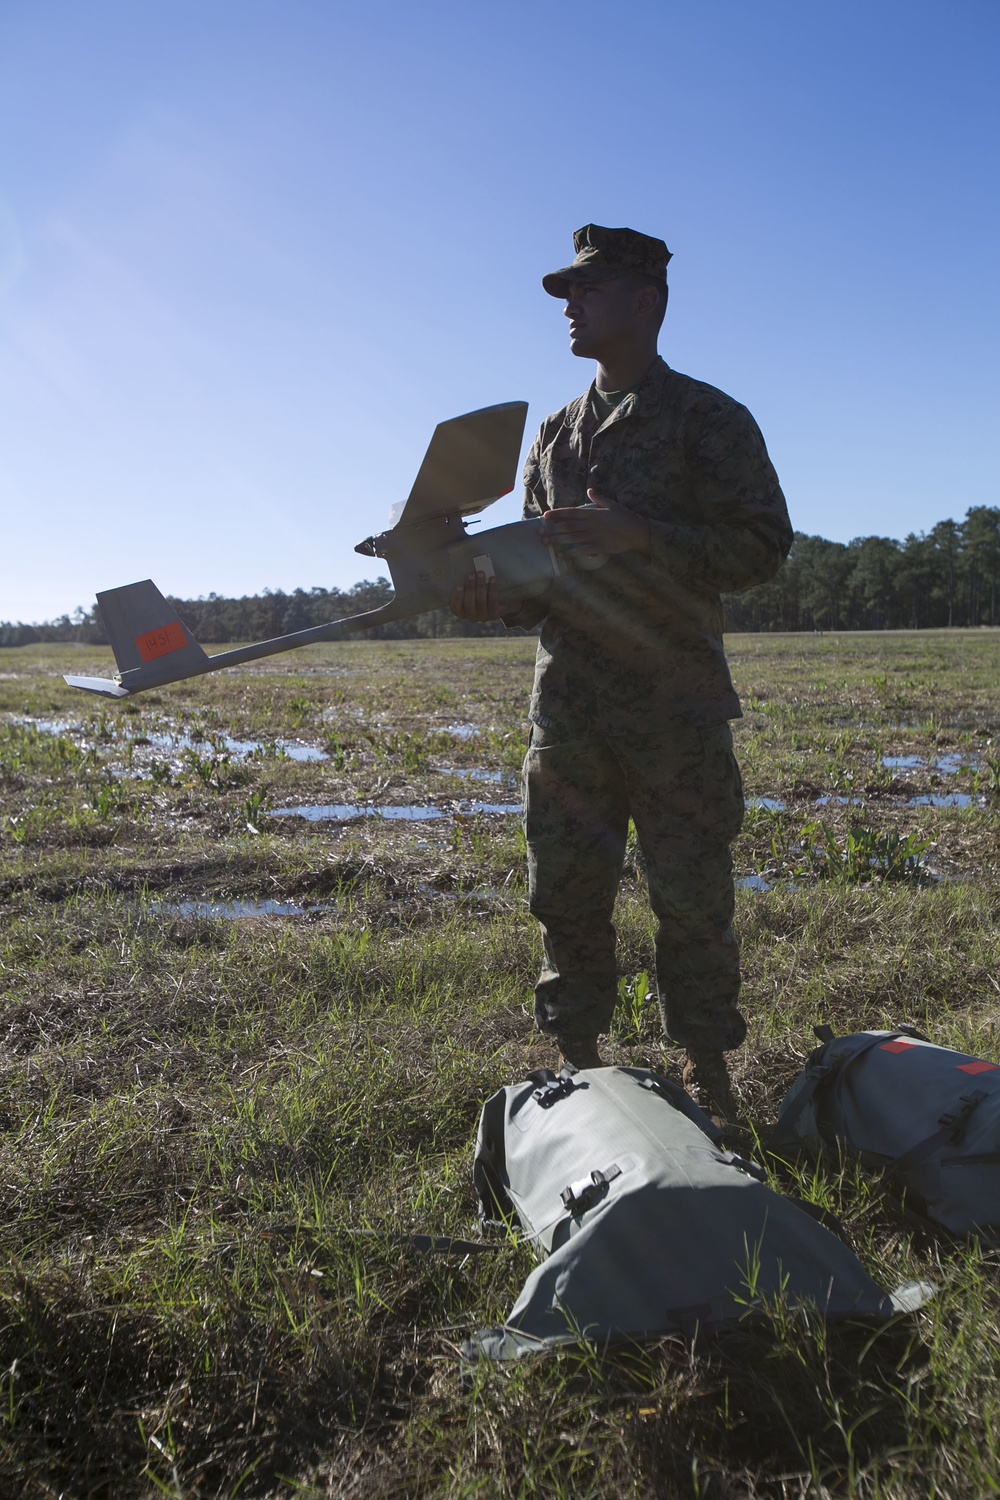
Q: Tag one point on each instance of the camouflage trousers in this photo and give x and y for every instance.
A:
(684, 794)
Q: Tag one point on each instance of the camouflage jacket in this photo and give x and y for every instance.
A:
(637, 643)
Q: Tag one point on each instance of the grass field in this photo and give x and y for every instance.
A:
(217, 1116)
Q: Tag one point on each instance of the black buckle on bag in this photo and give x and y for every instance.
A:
(957, 1120)
(580, 1196)
(552, 1089)
(742, 1164)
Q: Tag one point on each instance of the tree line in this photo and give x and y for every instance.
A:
(949, 576)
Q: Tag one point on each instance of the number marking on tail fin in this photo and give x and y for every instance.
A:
(161, 642)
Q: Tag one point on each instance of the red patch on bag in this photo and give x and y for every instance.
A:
(898, 1046)
(976, 1067)
(161, 642)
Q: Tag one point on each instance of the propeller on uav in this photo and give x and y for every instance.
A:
(470, 463)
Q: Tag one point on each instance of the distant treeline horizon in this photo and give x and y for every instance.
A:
(949, 576)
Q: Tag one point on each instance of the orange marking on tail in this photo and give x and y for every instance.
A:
(161, 642)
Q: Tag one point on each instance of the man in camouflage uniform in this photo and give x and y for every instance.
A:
(669, 480)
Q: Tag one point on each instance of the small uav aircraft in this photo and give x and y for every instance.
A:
(470, 463)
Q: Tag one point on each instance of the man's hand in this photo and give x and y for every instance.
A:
(609, 528)
(476, 599)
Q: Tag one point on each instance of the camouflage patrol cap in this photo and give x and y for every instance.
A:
(602, 254)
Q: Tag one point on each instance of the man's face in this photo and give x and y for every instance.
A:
(601, 315)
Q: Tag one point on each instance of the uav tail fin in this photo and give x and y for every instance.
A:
(151, 644)
(143, 630)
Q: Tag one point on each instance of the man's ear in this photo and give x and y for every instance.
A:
(647, 301)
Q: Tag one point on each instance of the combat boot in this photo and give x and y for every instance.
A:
(706, 1079)
(579, 1052)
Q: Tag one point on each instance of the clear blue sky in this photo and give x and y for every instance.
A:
(252, 250)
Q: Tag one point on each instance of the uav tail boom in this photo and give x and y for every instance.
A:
(152, 654)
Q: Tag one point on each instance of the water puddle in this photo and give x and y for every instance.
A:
(752, 883)
(342, 812)
(479, 893)
(461, 731)
(770, 804)
(232, 910)
(227, 745)
(49, 726)
(499, 778)
(928, 799)
(177, 741)
(948, 765)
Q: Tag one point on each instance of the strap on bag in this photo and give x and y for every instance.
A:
(742, 1164)
(821, 1071)
(815, 1073)
(953, 1126)
(681, 1100)
(839, 1066)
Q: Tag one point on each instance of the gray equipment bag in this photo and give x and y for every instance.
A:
(929, 1117)
(646, 1225)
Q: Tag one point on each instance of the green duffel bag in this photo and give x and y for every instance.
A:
(646, 1224)
(925, 1115)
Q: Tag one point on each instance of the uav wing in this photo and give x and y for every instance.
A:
(470, 462)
